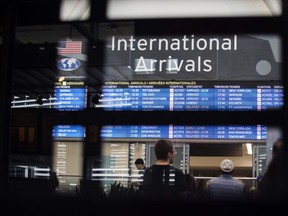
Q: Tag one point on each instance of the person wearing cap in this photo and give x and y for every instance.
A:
(225, 187)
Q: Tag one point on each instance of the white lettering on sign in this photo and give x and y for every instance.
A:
(148, 60)
(174, 44)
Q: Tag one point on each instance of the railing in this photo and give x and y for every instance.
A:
(70, 184)
(23, 171)
(250, 182)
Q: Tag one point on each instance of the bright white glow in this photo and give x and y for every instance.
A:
(116, 99)
(108, 169)
(109, 175)
(118, 155)
(113, 105)
(36, 105)
(74, 10)
(112, 179)
(31, 100)
(123, 9)
(118, 160)
(249, 148)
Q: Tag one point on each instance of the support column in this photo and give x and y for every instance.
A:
(6, 71)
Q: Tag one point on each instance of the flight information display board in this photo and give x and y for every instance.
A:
(70, 96)
(258, 132)
(68, 131)
(191, 96)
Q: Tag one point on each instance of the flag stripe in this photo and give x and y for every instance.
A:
(70, 47)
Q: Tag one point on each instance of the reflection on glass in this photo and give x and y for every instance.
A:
(122, 144)
(70, 89)
(67, 158)
(142, 9)
(191, 96)
(191, 72)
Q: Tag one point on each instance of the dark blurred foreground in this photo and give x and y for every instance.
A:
(35, 197)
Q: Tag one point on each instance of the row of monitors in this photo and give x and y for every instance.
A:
(232, 132)
(191, 96)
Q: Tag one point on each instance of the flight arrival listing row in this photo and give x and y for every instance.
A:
(241, 96)
(257, 132)
(233, 132)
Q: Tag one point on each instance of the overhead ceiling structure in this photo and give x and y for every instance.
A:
(143, 9)
(37, 73)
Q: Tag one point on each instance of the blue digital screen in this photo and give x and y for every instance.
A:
(191, 96)
(257, 132)
(70, 98)
(68, 131)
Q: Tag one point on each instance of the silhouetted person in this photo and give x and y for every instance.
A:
(54, 182)
(271, 186)
(162, 180)
(191, 186)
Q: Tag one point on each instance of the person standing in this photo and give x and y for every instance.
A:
(53, 180)
(191, 187)
(272, 184)
(140, 165)
(225, 187)
(163, 181)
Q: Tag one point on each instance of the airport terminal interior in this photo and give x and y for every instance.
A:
(88, 87)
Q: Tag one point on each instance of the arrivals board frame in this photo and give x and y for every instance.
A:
(191, 96)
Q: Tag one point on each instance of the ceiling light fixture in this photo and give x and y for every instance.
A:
(249, 148)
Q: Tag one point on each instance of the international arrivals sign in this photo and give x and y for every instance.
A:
(201, 57)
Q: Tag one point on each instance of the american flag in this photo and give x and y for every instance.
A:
(69, 47)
